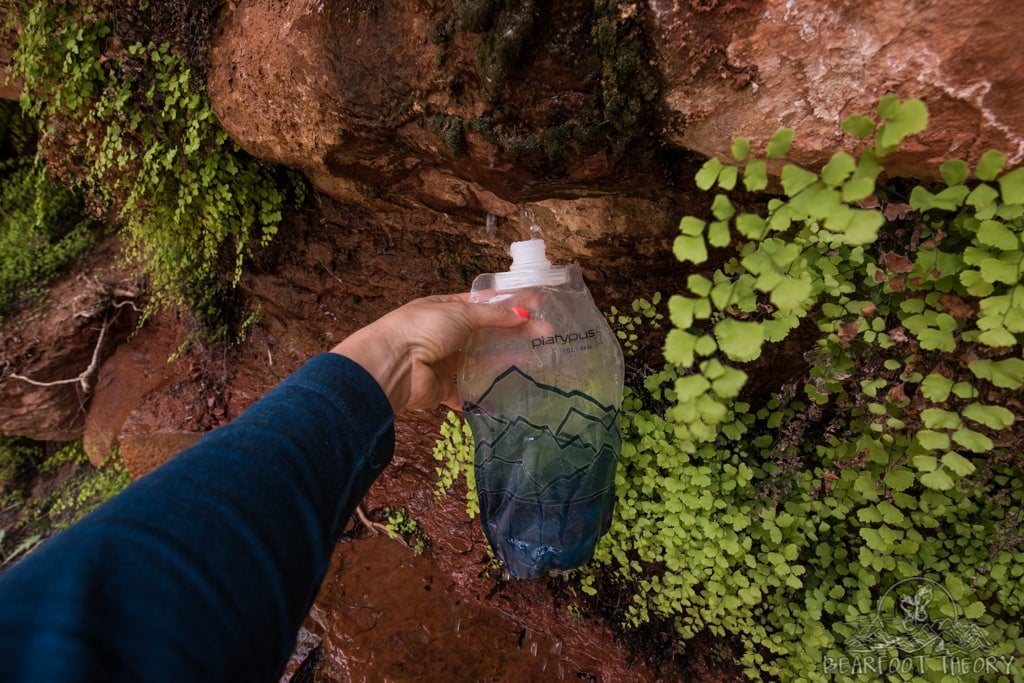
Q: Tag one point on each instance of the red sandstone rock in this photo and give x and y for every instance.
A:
(56, 345)
(345, 94)
(735, 68)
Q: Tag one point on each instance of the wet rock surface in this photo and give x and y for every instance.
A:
(50, 356)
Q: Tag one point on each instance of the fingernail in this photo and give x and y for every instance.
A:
(522, 313)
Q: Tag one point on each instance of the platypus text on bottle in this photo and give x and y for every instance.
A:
(543, 402)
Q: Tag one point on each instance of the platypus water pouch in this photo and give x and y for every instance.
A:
(543, 403)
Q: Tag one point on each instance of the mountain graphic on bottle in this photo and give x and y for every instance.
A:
(545, 481)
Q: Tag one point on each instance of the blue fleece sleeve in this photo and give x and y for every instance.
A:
(205, 569)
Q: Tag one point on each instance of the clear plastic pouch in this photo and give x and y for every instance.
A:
(543, 403)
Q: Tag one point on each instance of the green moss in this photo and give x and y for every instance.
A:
(607, 48)
(43, 229)
(477, 17)
(441, 31)
(628, 83)
(501, 48)
(450, 130)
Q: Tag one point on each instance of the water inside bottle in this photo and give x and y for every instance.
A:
(545, 482)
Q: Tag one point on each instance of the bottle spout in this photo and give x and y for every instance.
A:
(530, 267)
(529, 255)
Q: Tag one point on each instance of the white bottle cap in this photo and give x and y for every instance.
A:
(530, 267)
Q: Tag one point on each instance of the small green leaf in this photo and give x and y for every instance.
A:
(864, 226)
(727, 178)
(708, 173)
(997, 337)
(965, 390)
(740, 149)
(857, 189)
(730, 383)
(932, 440)
(691, 387)
(705, 345)
(1000, 270)
(699, 285)
(949, 199)
(958, 463)
(859, 126)
(740, 340)
(875, 540)
(993, 417)
(972, 440)
(1007, 373)
(888, 106)
(954, 171)
(936, 387)
(975, 283)
(796, 179)
(908, 118)
(680, 311)
(990, 165)
(890, 513)
(921, 199)
(718, 234)
(750, 225)
(838, 169)
(996, 234)
(899, 479)
(778, 146)
(755, 175)
(790, 293)
(691, 226)
(1012, 186)
(937, 418)
(722, 208)
(690, 248)
(937, 480)
(983, 196)
(975, 610)
(679, 348)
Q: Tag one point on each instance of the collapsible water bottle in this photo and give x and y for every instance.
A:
(543, 403)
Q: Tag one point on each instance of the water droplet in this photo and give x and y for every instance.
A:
(530, 221)
(533, 649)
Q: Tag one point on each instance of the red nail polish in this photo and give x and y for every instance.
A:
(522, 313)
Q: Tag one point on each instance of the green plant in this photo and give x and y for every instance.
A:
(627, 327)
(84, 489)
(454, 450)
(401, 526)
(23, 548)
(888, 448)
(888, 456)
(19, 459)
(42, 230)
(129, 124)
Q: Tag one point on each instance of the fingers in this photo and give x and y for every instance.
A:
(491, 315)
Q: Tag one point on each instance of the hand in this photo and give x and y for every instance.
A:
(412, 351)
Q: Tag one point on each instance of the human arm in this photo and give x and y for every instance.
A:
(204, 569)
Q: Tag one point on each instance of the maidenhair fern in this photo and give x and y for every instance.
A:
(890, 452)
